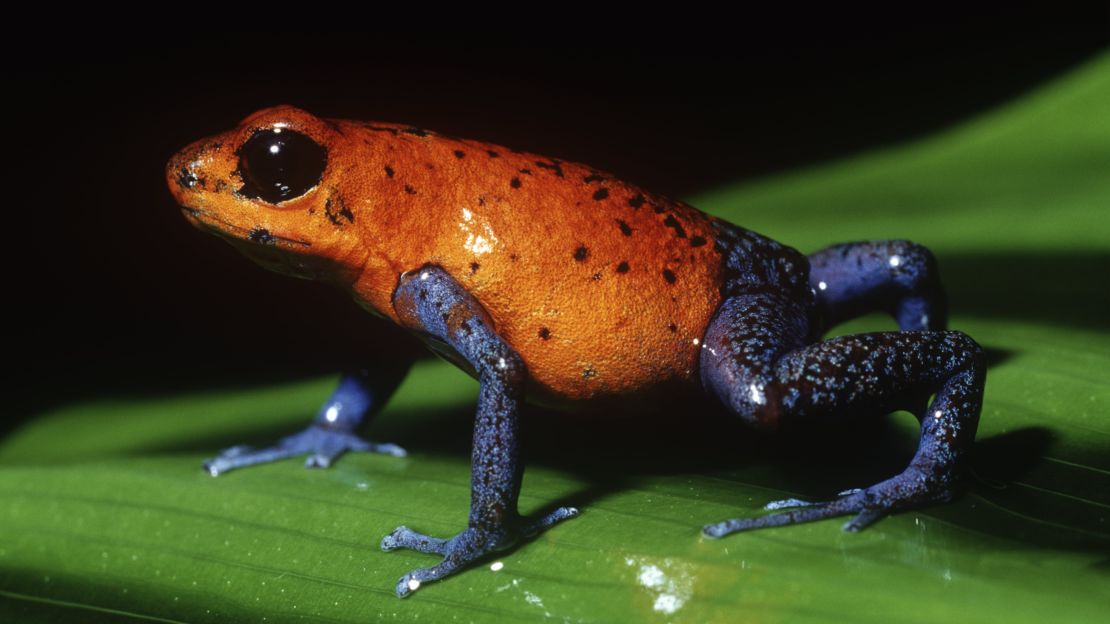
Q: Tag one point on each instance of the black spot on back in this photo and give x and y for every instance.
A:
(673, 223)
(697, 241)
(389, 171)
(410, 190)
(625, 229)
(601, 194)
(474, 267)
(593, 177)
(459, 154)
(554, 165)
(545, 333)
(492, 154)
(581, 253)
(673, 328)
(392, 131)
(622, 267)
(636, 201)
(669, 276)
(515, 183)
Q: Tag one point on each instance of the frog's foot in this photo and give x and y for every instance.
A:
(463, 549)
(324, 446)
(909, 489)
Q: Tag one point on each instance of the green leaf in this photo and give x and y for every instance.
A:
(108, 517)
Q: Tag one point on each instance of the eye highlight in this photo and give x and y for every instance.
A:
(277, 164)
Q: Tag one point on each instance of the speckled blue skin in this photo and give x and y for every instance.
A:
(762, 356)
(432, 302)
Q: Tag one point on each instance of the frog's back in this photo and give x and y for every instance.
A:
(602, 287)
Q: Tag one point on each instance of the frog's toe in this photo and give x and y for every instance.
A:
(798, 511)
(458, 552)
(787, 503)
(465, 548)
(412, 581)
(909, 489)
(323, 445)
(240, 456)
(545, 521)
(404, 537)
(329, 445)
(791, 503)
(805, 512)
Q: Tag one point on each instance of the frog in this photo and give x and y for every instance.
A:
(555, 283)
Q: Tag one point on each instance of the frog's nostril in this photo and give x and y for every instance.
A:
(186, 179)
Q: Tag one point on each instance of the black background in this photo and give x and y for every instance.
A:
(111, 291)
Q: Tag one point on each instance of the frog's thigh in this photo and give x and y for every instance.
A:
(746, 337)
(754, 360)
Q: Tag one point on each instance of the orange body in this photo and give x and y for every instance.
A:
(601, 287)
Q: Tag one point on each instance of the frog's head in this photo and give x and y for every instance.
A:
(268, 186)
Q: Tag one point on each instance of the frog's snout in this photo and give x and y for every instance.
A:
(181, 173)
(186, 171)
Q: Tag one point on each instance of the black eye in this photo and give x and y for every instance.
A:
(279, 164)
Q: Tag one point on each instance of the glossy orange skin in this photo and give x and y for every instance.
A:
(603, 288)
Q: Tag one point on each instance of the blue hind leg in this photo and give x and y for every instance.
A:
(896, 276)
(755, 360)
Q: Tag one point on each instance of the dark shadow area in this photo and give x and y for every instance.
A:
(995, 356)
(30, 603)
(1066, 289)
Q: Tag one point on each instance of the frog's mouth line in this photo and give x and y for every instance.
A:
(254, 235)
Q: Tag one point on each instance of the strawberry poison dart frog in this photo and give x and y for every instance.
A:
(555, 282)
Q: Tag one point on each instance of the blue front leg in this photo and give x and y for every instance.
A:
(429, 300)
(361, 393)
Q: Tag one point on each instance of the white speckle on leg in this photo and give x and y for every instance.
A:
(755, 393)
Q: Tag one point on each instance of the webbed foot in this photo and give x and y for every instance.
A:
(323, 444)
(463, 549)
